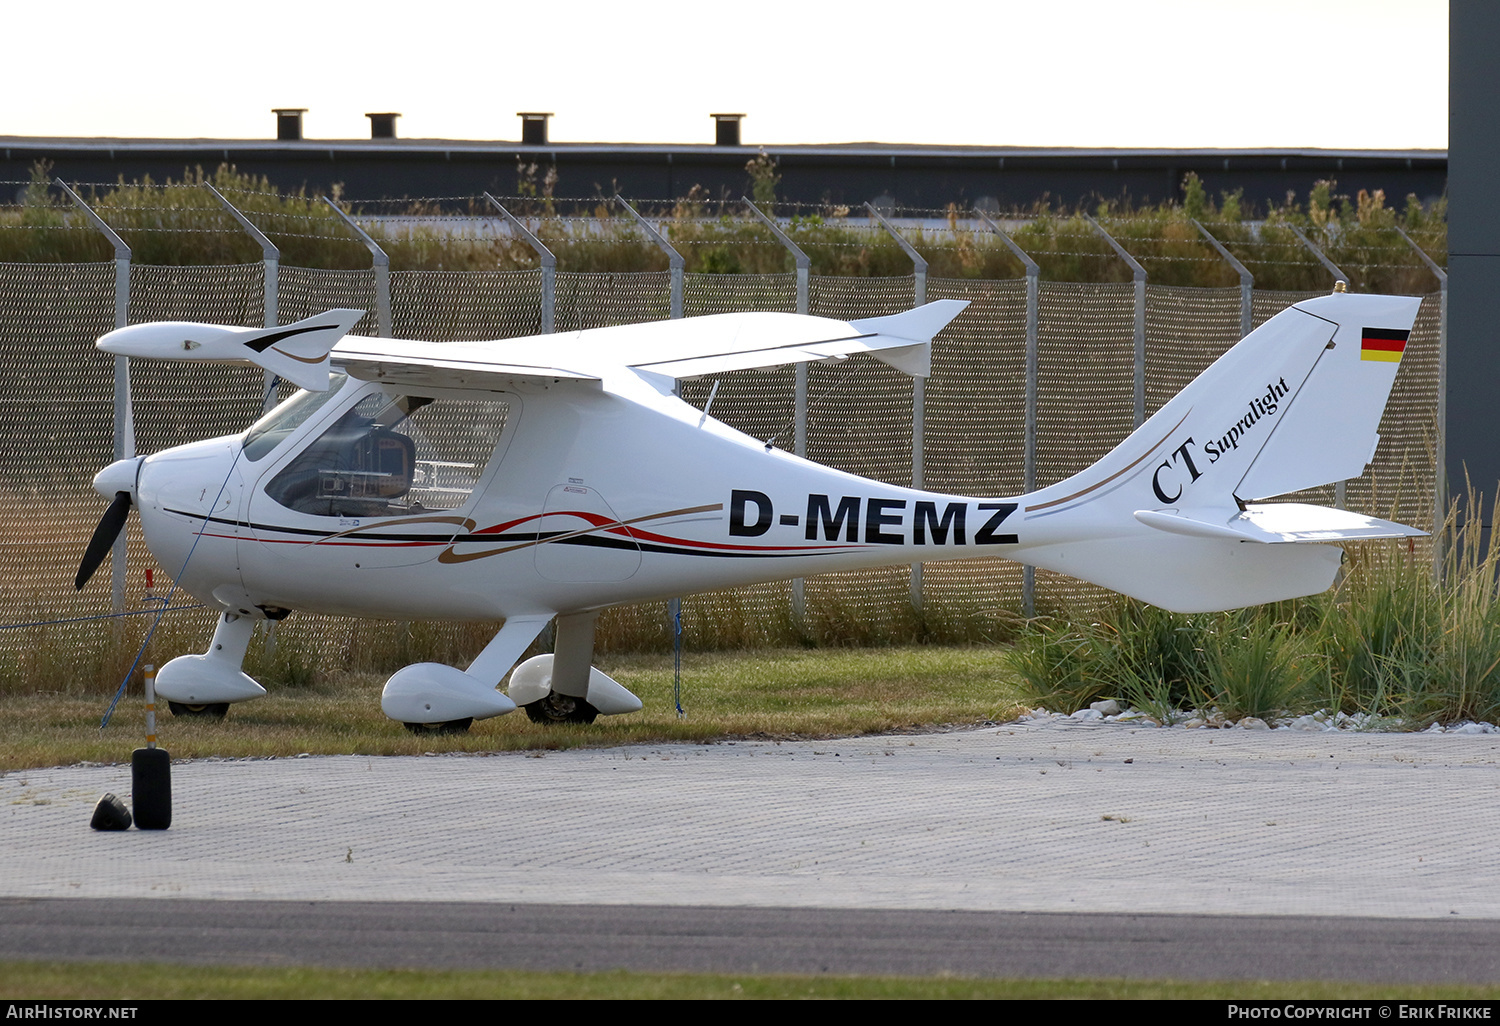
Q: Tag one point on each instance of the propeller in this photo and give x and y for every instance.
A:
(104, 537)
(115, 482)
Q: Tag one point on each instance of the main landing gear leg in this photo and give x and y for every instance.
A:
(562, 687)
(572, 660)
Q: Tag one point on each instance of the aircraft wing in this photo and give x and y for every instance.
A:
(447, 365)
(716, 344)
(686, 348)
(297, 352)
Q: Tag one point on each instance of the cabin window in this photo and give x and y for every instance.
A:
(272, 429)
(394, 457)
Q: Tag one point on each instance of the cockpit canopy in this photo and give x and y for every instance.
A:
(387, 455)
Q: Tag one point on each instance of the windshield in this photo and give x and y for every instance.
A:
(268, 432)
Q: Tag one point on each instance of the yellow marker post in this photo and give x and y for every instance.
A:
(150, 706)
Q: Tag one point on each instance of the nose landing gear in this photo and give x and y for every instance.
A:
(445, 727)
(200, 711)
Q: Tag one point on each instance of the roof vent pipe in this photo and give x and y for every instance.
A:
(383, 126)
(533, 127)
(289, 122)
(726, 129)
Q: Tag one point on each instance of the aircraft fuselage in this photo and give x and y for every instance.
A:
(586, 502)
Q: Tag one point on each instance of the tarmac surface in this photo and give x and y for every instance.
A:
(1053, 816)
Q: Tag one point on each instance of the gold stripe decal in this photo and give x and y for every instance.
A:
(301, 359)
(1093, 487)
(449, 556)
(464, 522)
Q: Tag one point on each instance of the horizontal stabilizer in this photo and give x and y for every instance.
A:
(1275, 523)
(1299, 522)
(297, 352)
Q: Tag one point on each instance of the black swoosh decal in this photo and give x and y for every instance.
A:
(263, 342)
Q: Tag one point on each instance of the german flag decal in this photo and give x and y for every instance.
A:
(1385, 344)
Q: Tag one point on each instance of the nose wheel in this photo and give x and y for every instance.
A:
(208, 711)
(446, 727)
(557, 708)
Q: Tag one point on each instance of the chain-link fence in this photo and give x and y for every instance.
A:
(465, 306)
(56, 427)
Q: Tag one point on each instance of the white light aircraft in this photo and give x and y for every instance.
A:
(550, 477)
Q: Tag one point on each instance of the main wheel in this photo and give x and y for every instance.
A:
(557, 708)
(210, 711)
(445, 727)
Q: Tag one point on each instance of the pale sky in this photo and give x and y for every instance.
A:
(1368, 74)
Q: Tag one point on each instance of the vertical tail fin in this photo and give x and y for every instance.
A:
(1328, 432)
(1295, 404)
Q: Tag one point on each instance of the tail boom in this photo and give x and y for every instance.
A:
(1194, 575)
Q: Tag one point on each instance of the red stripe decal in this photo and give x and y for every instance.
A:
(1388, 340)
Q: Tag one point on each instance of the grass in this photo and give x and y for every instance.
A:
(1263, 662)
(769, 693)
(1389, 640)
(90, 657)
(1258, 668)
(125, 982)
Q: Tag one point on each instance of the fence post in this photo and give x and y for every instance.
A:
(124, 416)
(918, 383)
(1439, 474)
(1340, 280)
(382, 265)
(804, 262)
(549, 266)
(271, 257)
(1332, 268)
(674, 258)
(676, 263)
(1139, 274)
(799, 398)
(1247, 280)
(1033, 299)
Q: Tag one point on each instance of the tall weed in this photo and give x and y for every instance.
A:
(181, 223)
(1255, 666)
(1390, 641)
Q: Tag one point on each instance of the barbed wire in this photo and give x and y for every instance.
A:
(156, 229)
(780, 205)
(480, 214)
(688, 227)
(1036, 253)
(199, 209)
